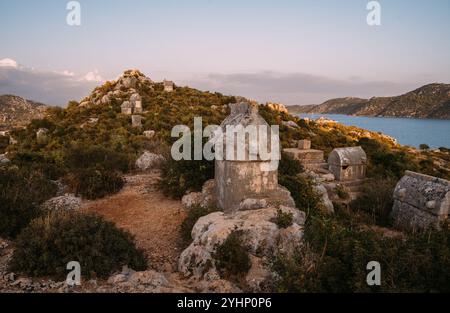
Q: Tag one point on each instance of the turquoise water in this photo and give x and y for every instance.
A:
(407, 131)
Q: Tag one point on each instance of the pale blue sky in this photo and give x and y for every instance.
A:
(289, 51)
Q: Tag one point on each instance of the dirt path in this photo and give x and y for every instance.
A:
(151, 217)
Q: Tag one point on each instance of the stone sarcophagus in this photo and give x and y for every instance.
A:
(348, 164)
(420, 201)
(240, 178)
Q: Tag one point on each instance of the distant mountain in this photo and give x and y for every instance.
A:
(429, 101)
(17, 111)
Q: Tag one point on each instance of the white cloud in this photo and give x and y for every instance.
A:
(49, 87)
(8, 63)
(93, 76)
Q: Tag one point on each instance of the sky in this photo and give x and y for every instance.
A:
(293, 52)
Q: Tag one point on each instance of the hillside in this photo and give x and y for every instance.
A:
(17, 111)
(87, 160)
(429, 101)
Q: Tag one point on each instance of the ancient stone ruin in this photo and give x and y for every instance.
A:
(133, 106)
(168, 86)
(237, 180)
(311, 159)
(136, 121)
(136, 103)
(420, 201)
(348, 164)
(250, 198)
(126, 108)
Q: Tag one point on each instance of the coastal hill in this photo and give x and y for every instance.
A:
(429, 101)
(17, 111)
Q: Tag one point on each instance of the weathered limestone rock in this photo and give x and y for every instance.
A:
(261, 236)
(322, 191)
(238, 179)
(420, 201)
(136, 121)
(129, 81)
(3, 159)
(348, 163)
(290, 124)
(149, 160)
(105, 99)
(41, 134)
(253, 204)
(310, 159)
(66, 202)
(205, 198)
(277, 107)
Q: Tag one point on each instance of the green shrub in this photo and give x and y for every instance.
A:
(193, 214)
(424, 146)
(48, 164)
(96, 157)
(50, 242)
(302, 191)
(376, 198)
(4, 142)
(289, 166)
(21, 193)
(341, 191)
(231, 256)
(178, 177)
(416, 263)
(94, 184)
(283, 219)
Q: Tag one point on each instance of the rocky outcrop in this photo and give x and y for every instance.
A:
(148, 161)
(277, 107)
(205, 198)
(261, 236)
(124, 89)
(67, 202)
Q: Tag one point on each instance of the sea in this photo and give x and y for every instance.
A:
(407, 131)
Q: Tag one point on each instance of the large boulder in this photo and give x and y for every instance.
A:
(323, 193)
(205, 198)
(261, 236)
(148, 161)
(67, 202)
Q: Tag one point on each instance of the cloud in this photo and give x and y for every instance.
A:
(8, 63)
(50, 87)
(93, 77)
(297, 88)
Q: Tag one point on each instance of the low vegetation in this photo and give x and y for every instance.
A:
(343, 248)
(284, 219)
(21, 193)
(231, 257)
(376, 199)
(46, 246)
